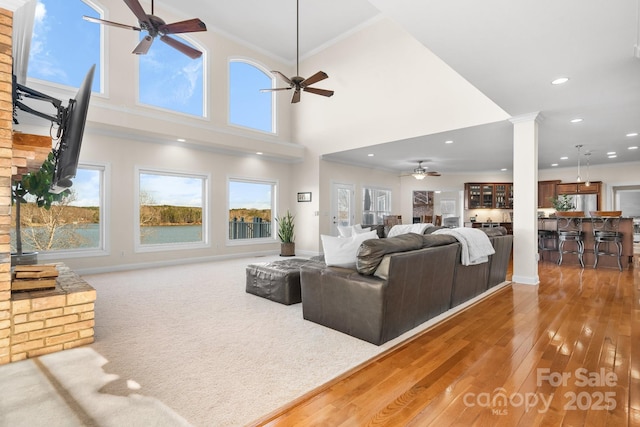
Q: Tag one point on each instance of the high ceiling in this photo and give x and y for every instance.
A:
(510, 51)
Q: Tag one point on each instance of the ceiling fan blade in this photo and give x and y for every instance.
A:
(138, 11)
(275, 88)
(323, 92)
(434, 173)
(187, 50)
(113, 24)
(283, 77)
(319, 76)
(188, 26)
(143, 46)
(296, 96)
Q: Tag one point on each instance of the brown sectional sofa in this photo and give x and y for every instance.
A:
(425, 278)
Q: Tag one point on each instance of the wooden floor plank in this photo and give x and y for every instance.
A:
(577, 323)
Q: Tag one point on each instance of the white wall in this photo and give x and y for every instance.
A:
(387, 87)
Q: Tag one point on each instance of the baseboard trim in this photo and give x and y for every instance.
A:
(166, 263)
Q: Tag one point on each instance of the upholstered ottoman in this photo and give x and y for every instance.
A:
(278, 280)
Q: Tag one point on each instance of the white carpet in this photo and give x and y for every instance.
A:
(194, 339)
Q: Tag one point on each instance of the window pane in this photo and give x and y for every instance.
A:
(64, 46)
(170, 79)
(72, 224)
(247, 105)
(171, 208)
(250, 207)
(376, 204)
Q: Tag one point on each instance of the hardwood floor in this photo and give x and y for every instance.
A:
(564, 353)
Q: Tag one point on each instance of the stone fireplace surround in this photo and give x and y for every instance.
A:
(52, 320)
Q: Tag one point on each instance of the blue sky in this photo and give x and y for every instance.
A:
(63, 48)
(63, 56)
(172, 190)
(249, 195)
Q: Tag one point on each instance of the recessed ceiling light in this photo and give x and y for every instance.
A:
(560, 80)
(438, 191)
(610, 153)
(554, 164)
(564, 158)
(181, 140)
(633, 147)
(632, 134)
(259, 153)
(448, 142)
(576, 120)
(370, 155)
(612, 156)
(503, 169)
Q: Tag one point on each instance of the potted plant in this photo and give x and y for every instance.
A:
(286, 235)
(563, 203)
(38, 185)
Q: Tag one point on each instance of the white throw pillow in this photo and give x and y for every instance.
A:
(399, 229)
(357, 229)
(342, 251)
(345, 230)
(383, 268)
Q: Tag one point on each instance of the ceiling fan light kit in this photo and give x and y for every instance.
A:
(420, 173)
(296, 82)
(155, 26)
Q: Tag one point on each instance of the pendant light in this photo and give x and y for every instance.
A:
(588, 155)
(579, 146)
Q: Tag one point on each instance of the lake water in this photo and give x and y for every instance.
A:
(90, 236)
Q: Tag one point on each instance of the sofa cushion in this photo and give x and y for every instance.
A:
(495, 231)
(431, 240)
(371, 252)
(341, 251)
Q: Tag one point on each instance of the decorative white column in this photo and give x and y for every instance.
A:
(525, 199)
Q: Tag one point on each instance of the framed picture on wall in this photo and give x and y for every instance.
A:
(304, 197)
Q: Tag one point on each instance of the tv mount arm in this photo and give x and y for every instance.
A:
(21, 91)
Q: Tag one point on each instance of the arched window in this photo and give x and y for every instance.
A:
(63, 45)
(248, 106)
(171, 80)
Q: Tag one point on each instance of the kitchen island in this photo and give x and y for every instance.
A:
(625, 227)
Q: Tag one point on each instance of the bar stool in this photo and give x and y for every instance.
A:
(570, 230)
(605, 230)
(545, 236)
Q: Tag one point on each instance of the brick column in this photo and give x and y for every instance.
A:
(6, 124)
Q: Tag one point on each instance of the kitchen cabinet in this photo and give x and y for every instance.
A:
(579, 188)
(546, 193)
(488, 195)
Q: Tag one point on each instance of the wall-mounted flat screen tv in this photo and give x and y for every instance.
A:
(72, 130)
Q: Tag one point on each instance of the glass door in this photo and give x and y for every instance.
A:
(342, 206)
(487, 196)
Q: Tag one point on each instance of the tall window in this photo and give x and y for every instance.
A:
(75, 224)
(376, 204)
(251, 207)
(171, 210)
(63, 45)
(248, 106)
(171, 80)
